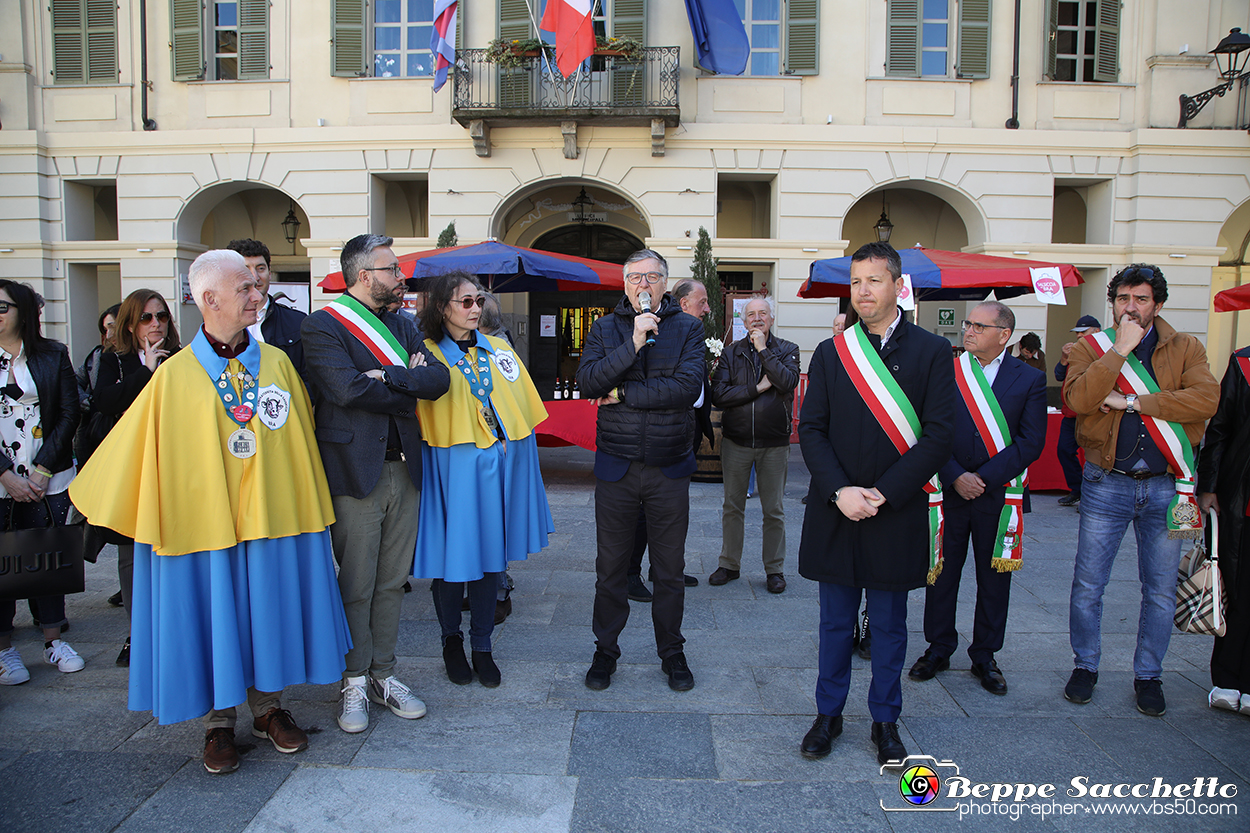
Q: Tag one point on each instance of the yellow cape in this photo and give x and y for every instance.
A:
(456, 417)
(163, 475)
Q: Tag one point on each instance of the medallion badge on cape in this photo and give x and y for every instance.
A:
(508, 365)
(274, 406)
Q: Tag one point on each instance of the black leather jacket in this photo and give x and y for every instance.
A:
(654, 421)
(57, 386)
(753, 419)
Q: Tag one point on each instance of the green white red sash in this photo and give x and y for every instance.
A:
(988, 416)
(361, 322)
(1184, 519)
(897, 417)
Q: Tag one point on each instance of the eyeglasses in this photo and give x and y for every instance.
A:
(979, 329)
(469, 300)
(147, 316)
(5, 306)
(394, 269)
(637, 278)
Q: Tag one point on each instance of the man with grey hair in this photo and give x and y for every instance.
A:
(1000, 430)
(367, 368)
(754, 385)
(242, 574)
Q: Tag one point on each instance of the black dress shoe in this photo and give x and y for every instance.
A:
(721, 576)
(991, 678)
(602, 667)
(691, 581)
(503, 610)
(819, 739)
(889, 747)
(776, 583)
(928, 666)
(636, 591)
(679, 676)
(458, 670)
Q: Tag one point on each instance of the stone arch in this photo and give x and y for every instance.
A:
(538, 208)
(259, 209)
(935, 214)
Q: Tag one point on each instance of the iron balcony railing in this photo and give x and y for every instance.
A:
(610, 87)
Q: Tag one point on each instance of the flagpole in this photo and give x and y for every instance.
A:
(542, 50)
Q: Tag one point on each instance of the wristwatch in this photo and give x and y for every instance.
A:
(1130, 403)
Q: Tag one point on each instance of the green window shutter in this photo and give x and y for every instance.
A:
(1052, 39)
(802, 40)
(902, 48)
(347, 39)
(101, 41)
(974, 39)
(187, 22)
(253, 39)
(629, 20)
(1107, 41)
(514, 20)
(68, 42)
(629, 79)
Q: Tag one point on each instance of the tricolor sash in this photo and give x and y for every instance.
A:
(897, 417)
(361, 322)
(992, 425)
(1184, 519)
(1244, 363)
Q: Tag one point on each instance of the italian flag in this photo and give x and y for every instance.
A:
(575, 36)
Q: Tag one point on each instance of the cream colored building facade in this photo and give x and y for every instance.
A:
(781, 168)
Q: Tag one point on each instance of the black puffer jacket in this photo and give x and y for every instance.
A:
(658, 386)
(753, 419)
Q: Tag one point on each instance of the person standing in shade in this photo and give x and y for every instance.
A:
(1142, 394)
(1067, 446)
(366, 368)
(276, 323)
(1000, 430)
(754, 384)
(875, 427)
(644, 364)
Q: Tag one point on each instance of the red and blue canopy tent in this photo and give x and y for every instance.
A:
(1233, 300)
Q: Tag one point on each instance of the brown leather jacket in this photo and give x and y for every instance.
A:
(1188, 393)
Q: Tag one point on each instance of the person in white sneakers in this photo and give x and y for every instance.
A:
(39, 413)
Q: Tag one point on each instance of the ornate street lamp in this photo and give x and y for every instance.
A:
(290, 227)
(884, 227)
(1230, 68)
(581, 202)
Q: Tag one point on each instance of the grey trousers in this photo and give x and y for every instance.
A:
(771, 467)
(374, 541)
(260, 702)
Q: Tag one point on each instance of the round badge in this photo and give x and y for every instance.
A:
(241, 413)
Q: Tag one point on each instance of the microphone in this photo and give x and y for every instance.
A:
(644, 301)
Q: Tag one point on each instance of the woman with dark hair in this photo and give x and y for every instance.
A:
(483, 503)
(88, 376)
(144, 337)
(38, 415)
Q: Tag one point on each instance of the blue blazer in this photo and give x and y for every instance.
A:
(1021, 393)
(353, 410)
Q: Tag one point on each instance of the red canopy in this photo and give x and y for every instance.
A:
(1232, 300)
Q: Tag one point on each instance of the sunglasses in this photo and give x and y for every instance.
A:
(469, 301)
(5, 306)
(147, 316)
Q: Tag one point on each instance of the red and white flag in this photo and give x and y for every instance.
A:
(575, 35)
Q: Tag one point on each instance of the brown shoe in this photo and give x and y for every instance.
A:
(281, 730)
(776, 583)
(220, 756)
(722, 576)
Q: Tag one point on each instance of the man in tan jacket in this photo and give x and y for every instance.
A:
(1142, 394)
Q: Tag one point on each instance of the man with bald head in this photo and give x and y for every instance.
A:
(214, 472)
(754, 384)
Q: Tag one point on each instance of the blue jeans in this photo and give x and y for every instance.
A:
(1109, 502)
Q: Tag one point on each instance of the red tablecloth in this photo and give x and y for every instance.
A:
(568, 422)
(1046, 474)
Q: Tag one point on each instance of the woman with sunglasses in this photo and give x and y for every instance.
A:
(483, 503)
(144, 337)
(38, 415)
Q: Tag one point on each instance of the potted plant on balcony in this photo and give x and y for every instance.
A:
(515, 53)
(626, 49)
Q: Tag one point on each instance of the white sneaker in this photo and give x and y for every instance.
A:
(12, 669)
(63, 656)
(1245, 704)
(354, 716)
(1224, 698)
(396, 696)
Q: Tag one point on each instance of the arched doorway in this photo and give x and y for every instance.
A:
(1229, 331)
(593, 241)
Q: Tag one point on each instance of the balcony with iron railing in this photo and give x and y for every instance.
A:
(608, 89)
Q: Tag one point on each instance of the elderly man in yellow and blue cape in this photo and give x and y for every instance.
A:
(483, 502)
(214, 471)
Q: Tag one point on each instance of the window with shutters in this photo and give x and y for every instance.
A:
(938, 38)
(220, 40)
(84, 41)
(383, 38)
(1083, 40)
(782, 35)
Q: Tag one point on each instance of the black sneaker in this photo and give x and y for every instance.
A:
(1150, 697)
(1070, 499)
(116, 599)
(1080, 687)
(638, 591)
(123, 659)
(679, 676)
(602, 667)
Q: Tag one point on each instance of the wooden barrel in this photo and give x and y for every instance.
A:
(708, 459)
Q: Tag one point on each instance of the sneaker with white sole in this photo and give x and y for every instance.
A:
(12, 669)
(1224, 698)
(354, 716)
(1245, 704)
(64, 657)
(397, 697)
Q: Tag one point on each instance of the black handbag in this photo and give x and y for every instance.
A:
(46, 561)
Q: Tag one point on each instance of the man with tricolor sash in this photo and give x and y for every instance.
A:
(875, 428)
(367, 369)
(1142, 393)
(1000, 430)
